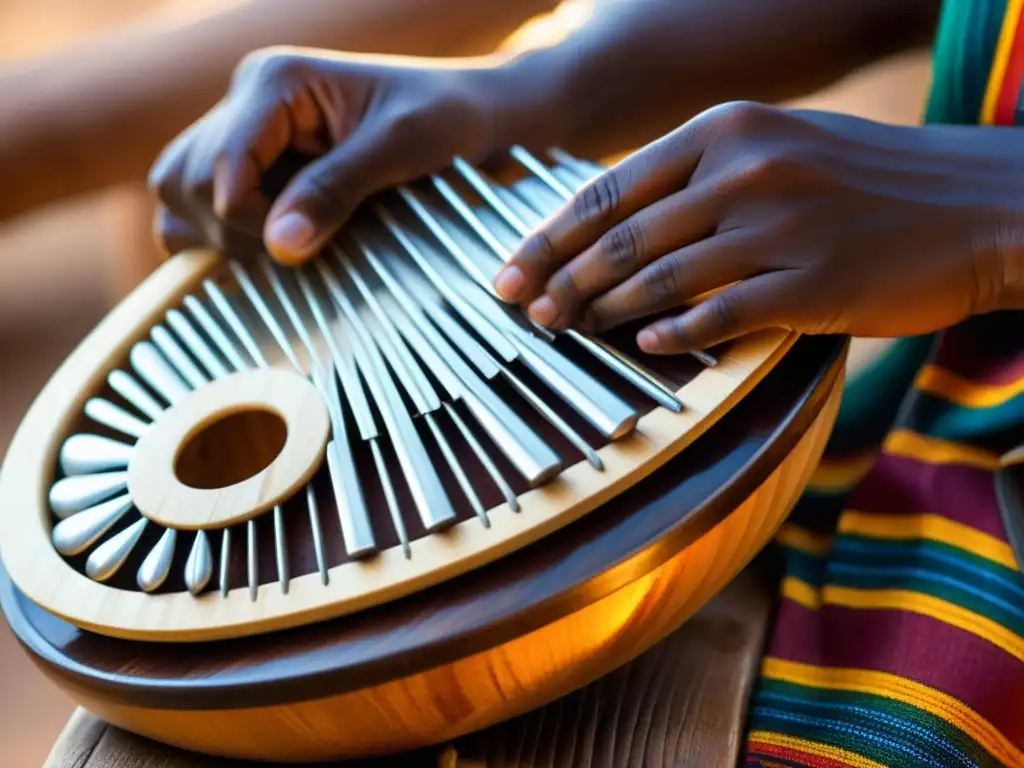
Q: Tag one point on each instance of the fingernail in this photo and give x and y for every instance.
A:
(544, 311)
(648, 341)
(508, 283)
(291, 232)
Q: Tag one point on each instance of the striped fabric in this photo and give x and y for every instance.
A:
(899, 639)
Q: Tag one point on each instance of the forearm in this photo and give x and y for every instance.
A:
(639, 68)
(98, 114)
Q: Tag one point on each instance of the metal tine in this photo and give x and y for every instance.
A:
(109, 415)
(409, 372)
(199, 565)
(489, 367)
(389, 496)
(220, 301)
(355, 522)
(154, 369)
(172, 351)
(344, 359)
(268, 318)
(591, 399)
(491, 334)
(542, 172)
(636, 374)
(196, 344)
(281, 550)
(128, 387)
(231, 317)
(432, 502)
(506, 490)
(215, 332)
(157, 566)
(225, 562)
(389, 329)
(71, 495)
(318, 534)
(583, 170)
(251, 560)
(85, 453)
(531, 456)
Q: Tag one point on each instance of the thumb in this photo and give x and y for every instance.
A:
(321, 197)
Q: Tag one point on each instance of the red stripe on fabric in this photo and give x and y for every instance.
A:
(910, 645)
(1010, 89)
(902, 486)
(794, 755)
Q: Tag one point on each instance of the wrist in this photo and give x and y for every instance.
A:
(525, 103)
(1009, 263)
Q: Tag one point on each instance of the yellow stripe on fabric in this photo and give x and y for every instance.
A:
(836, 475)
(954, 388)
(815, 748)
(932, 528)
(802, 540)
(927, 605)
(931, 450)
(890, 686)
(1000, 61)
(801, 592)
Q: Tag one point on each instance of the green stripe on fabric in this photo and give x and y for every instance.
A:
(993, 429)
(889, 720)
(913, 577)
(871, 400)
(808, 568)
(965, 45)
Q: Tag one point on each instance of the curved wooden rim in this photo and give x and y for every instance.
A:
(48, 580)
(563, 585)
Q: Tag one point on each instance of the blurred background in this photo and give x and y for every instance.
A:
(65, 264)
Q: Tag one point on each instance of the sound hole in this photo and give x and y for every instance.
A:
(231, 449)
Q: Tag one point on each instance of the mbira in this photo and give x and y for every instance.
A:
(362, 505)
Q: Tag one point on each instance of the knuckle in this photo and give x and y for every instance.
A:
(773, 168)
(328, 194)
(563, 286)
(538, 249)
(743, 118)
(723, 312)
(622, 246)
(269, 66)
(664, 281)
(599, 199)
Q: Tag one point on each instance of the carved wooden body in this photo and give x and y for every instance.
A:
(356, 496)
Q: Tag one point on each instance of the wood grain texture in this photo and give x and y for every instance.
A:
(354, 584)
(474, 692)
(153, 479)
(634, 534)
(681, 704)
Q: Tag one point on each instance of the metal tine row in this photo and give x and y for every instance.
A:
(447, 334)
(630, 370)
(82, 498)
(605, 410)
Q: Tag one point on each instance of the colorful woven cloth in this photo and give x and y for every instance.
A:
(900, 634)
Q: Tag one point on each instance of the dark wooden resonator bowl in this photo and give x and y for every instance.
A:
(488, 645)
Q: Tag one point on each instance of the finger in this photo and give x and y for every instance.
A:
(654, 172)
(669, 224)
(166, 176)
(324, 194)
(766, 301)
(250, 143)
(173, 233)
(676, 278)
